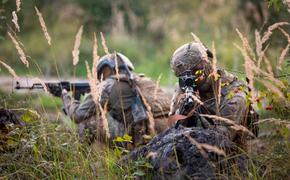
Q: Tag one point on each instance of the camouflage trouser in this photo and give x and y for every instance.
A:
(90, 129)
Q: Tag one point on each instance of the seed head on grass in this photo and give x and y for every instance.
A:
(247, 46)
(96, 57)
(43, 26)
(15, 21)
(11, 71)
(116, 66)
(285, 50)
(214, 64)
(258, 43)
(270, 86)
(201, 49)
(42, 83)
(19, 50)
(77, 44)
(104, 44)
(270, 30)
(205, 147)
(18, 4)
(232, 124)
(249, 67)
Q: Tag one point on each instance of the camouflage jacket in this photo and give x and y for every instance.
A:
(233, 102)
(117, 95)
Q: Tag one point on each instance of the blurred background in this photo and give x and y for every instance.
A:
(147, 31)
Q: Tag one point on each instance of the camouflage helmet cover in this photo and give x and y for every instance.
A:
(111, 60)
(188, 57)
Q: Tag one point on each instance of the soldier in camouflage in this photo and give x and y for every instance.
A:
(196, 58)
(117, 94)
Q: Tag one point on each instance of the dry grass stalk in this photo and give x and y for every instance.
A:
(270, 77)
(261, 56)
(195, 37)
(273, 120)
(15, 21)
(104, 44)
(197, 99)
(11, 71)
(214, 64)
(246, 45)
(215, 75)
(268, 66)
(282, 56)
(285, 50)
(76, 51)
(249, 67)
(270, 30)
(19, 50)
(232, 124)
(258, 43)
(93, 81)
(18, 4)
(272, 88)
(42, 83)
(205, 147)
(151, 123)
(156, 87)
(202, 49)
(116, 66)
(96, 57)
(93, 84)
(43, 26)
(104, 121)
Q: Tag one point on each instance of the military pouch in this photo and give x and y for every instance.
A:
(138, 110)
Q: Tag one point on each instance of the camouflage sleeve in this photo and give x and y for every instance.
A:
(235, 108)
(174, 101)
(105, 89)
(79, 111)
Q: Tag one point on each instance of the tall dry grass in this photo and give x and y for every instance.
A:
(11, 71)
(18, 4)
(43, 25)
(230, 123)
(77, 44)
(104, 44)
(96, 88)
(204, 148)
(253, 67)
(15, 21)
(201, 47)
(19, 50)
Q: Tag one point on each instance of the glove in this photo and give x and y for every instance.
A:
(64, 93)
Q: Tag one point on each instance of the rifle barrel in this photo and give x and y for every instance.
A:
(34, 86)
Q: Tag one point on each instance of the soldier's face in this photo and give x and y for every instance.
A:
(198, 71)
(106, 72)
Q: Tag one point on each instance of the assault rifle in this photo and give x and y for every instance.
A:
(187, 86)
(55, 88)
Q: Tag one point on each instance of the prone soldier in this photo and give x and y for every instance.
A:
(192, 62)
(119, 91)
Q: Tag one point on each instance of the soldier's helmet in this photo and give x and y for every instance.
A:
(111, 60)
(188, 57)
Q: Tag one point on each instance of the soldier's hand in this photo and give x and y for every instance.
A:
(64, 93)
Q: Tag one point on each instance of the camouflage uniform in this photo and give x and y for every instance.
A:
(118, 94)
(233, 101)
